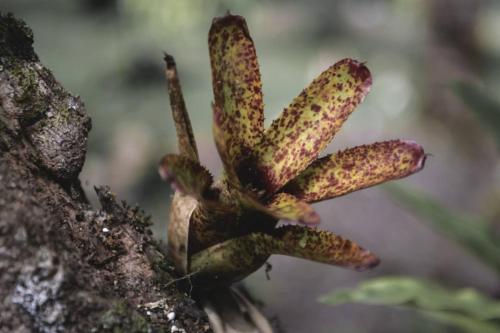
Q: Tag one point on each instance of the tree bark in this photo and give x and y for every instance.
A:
(64, 266)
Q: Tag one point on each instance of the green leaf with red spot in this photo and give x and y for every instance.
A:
(306, 127)
(237, 257)
(226, 142)
(281, 206)
(357, 168)
(288, 207)
(236, 84)
(321, 246)
(186, 175)
(232, 260)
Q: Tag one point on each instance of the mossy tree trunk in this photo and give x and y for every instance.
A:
(64, 266)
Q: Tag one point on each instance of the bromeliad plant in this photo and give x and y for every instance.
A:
(220, 232)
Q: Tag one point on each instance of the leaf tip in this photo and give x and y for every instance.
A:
(166, 174)
(229, 19)
(359, 71)
(311, 218)
(169, 60)
(419, 155)
(163, 168)
(369, 261)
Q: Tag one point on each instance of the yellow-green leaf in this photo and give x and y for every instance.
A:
(466, 308)
(310, 122)
(185, 175)
(185, 137)
(281, 206)
(226, 142)
(357, 168)
(321, 246)
(235, 258)
(287, 207)
(236, 82)
(231, 260)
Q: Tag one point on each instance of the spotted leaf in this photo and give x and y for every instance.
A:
(185, 137)
(309, 123)
(321, 246)
(282, 206)
(236, 82)
(288, 207)
(237, 257)
(226, 142)
(357, 168)
(186, 175)
(232, 259)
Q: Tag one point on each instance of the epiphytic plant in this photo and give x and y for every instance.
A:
(220, 232)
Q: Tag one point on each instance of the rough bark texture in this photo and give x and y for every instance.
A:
(65, 266)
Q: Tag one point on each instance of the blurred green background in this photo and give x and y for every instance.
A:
(110, 53)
